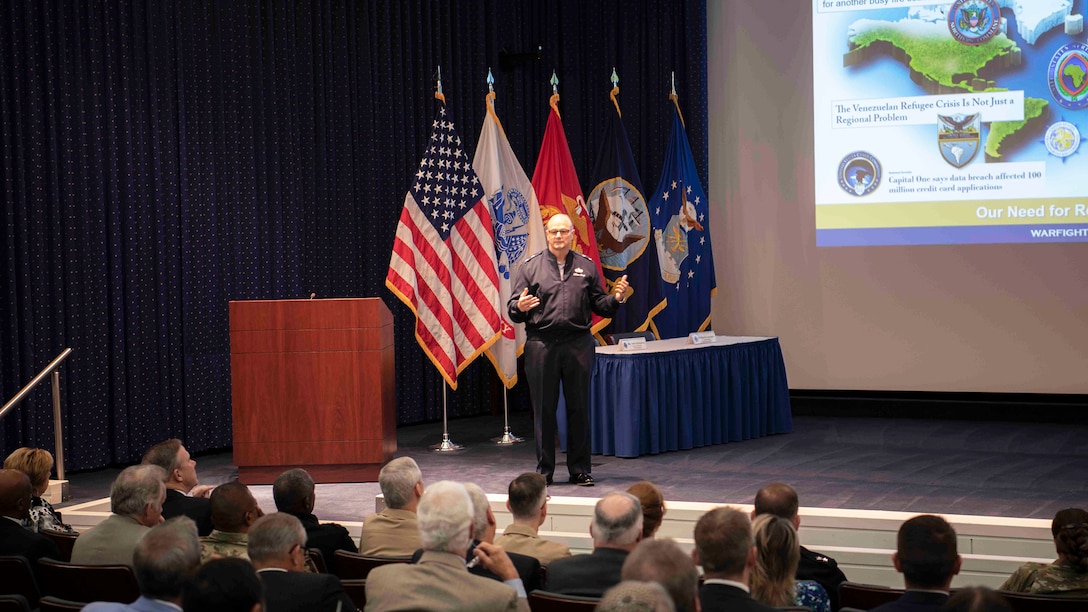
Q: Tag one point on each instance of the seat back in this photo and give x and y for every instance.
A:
(866, 596)
(1033, 602)
(353, 566)
(88, 582)
(17, 578)
(13, 603)
(64, 542)
(546, 601)
(615, 338)
(317, 559)
(356, 591)
(56, 604)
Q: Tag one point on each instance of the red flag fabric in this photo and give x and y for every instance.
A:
(555, 182)
(443, 263)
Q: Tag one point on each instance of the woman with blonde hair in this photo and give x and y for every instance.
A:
(37, 463)
(653, 506)
(777, 554)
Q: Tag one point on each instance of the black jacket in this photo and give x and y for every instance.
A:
(823, 570)
(303, 592)
(197, 508)
(725, 598)
(586, 575)
(566, 305)
(327, 537)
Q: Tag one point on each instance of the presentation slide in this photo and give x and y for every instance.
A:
(950, 123)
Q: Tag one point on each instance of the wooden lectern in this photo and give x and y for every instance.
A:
(312, 387)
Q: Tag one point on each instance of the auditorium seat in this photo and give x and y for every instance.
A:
(88, 582)
(17, 578)
(64, 542)
(13, 603)
(351, 565)
(356, 590)
(317, 558)
(1033, 602)
(546, 601)
(866, 596)
(56, 604)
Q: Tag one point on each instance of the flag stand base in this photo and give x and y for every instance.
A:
(446, 445)
(507, 438)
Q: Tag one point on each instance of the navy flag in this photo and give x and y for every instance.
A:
(621, 223)
(678, 209)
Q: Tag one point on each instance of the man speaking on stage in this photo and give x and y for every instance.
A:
(556, 293)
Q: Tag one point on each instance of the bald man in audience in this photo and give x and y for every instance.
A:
(440, 580)
(136, 498)
(527, 501)
(15, 496)
(295, 494)
(277, 544)
(664, 562)
(779, 499)
(724, 548)
(234, 510)
(394, 532)
(185, 496)
(616, 530)
(165, 560)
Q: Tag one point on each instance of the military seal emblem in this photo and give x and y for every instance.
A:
(973, 22)
(1068, 76)
(859, 173)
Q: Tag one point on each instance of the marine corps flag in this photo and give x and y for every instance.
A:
(519, 231)
(443, 262)
(682, 231)
(621, 225)
(558, 191)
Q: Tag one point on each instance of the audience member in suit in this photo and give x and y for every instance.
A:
(394, 532)
(136, 498)
(777, 555)
(440, 580)
(185, 496)
(224, 585)
(664, 562)
(653, 506)
(723, 547)
(294, 493)
(926, 556)
(635, 596)
(15, 495)
(976, 599)
(483, 528)
(277, 548)
(616, 530)
(527, 499)
(164, 560)
(779, 499)
(1068, 575)
(234, 510)
(37, 463)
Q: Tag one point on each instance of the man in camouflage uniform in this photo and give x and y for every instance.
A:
(234, 509)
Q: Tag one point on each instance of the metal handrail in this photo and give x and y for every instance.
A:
(58, 433)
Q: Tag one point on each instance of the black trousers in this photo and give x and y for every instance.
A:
(547, 363)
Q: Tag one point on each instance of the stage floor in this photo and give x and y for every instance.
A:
(959, 467)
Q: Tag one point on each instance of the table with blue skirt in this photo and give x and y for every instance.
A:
(675, 395)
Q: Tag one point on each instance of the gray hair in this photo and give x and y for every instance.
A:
(274, 535)
(445, 517)
(292, 489)
(615, 522)
(480, 504)
(664, 562)
(635, 596)
(166, 557)
(398, 479)
(136, 487)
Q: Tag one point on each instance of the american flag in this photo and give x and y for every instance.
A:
(443, 263)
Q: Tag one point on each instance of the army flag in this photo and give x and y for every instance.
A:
(558, 191)
(519, 231)
(443, 263)
(678, 209)
(621, 226)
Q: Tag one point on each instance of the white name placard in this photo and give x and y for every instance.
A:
(632, 344)
(704, 337)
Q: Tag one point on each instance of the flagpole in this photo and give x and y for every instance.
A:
(507, 438)
(446, 444)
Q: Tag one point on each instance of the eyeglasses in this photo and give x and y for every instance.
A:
(559, 232)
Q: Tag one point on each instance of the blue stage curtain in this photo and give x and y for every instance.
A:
(162, 157)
